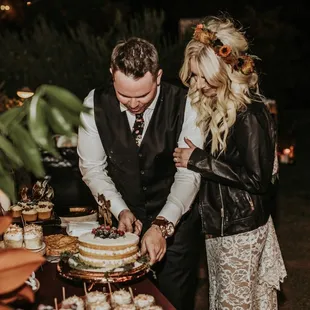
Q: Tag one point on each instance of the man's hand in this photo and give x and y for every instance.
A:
(129, 223)
(154, 243)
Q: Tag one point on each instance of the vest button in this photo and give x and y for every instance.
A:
(140, 155)
(144, 188)
(142, 171)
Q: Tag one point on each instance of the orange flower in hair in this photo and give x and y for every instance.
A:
(243, 63)
(224, 51)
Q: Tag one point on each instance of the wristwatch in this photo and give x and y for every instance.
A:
(166, 227)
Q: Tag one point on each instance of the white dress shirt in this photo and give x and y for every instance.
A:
(93, 162)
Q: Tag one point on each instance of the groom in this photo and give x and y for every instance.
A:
(125, 151)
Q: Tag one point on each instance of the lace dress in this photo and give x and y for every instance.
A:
(246, 269)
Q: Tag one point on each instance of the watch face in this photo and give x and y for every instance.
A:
(170, 229)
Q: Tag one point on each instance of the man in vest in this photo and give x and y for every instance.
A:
(125, 150)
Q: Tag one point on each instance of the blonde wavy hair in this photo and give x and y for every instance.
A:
(233, 89)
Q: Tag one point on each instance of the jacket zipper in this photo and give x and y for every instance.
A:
(222, 212)
(249, 198)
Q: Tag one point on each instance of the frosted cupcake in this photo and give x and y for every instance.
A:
(13, 237)
(121, 297)
(44, 211)
(46, 203)
(98, 305)
(144, 300)
(33, 236)
(73, 302)
(126, 307)
(30, 214)
(16, 210)
(96, 296)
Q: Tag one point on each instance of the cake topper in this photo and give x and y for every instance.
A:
(105, 210)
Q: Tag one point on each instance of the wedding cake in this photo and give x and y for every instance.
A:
(108, 247)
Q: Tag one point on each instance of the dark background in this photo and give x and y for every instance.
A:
(278, 32)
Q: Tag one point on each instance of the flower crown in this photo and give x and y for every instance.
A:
(243, 63)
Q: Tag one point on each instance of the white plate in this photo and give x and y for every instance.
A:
(41, 250)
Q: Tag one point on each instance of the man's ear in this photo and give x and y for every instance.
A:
(159, 75)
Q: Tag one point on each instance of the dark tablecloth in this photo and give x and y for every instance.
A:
(51, 286)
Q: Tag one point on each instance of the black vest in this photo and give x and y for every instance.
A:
(143, 175)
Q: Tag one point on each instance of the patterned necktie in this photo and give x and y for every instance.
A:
(138, 128)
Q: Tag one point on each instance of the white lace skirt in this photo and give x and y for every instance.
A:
(245, 270)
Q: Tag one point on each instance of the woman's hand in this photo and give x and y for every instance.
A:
(182, 155)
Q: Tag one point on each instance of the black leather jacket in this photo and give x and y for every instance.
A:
(236, 190)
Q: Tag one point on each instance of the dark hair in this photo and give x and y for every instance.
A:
(135, 57)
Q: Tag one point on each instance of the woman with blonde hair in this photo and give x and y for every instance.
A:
(238, 168)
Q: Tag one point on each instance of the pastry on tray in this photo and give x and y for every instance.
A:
(59, 243)
(33, 236)
(121, 297)
(16, 210)
(144, 300)
(13, 237)
(30, 214)
(73, 302)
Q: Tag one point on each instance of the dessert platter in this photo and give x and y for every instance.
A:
(105, 254)
(117, 300)
(29, 237)
(35, 205)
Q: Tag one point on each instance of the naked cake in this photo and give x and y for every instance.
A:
(108, 247)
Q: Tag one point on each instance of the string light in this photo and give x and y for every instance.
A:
(5, 7)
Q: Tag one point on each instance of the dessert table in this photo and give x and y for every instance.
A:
(51, 284)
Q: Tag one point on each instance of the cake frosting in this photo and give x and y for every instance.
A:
(30, 214)
(121, 297)
(96, 296)
(99, 305)
(107, 247)
(144, 300)
(16, 210)
(73, 302)
(33, 236)
(13, 237)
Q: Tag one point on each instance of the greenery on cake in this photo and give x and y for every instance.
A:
(107, 232)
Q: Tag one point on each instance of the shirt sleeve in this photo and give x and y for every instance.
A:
(186, 182)
(93, 161)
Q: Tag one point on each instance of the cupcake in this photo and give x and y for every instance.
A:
(95, 296)
(126, 307)
(33, 236)
(30, 214)
(16, 210)
(121, 297)
(144, 300)
(46, 203)
(73, 302)
(153, 307)
(44, 211)
(13, 237)
(98, 305)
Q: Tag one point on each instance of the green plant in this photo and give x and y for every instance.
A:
(27, 130)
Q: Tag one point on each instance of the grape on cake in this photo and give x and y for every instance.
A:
(108, 247)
